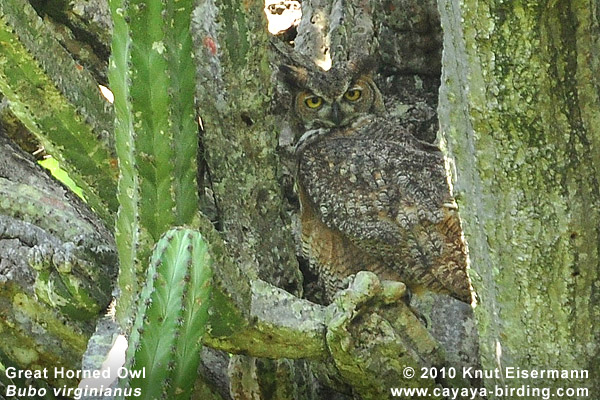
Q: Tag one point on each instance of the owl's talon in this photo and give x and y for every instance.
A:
(408, 296)
(364, 286)
(394, 291)
(362, 322)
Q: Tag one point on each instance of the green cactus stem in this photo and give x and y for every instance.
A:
(171, 317)
(59, 102)
(152, 77)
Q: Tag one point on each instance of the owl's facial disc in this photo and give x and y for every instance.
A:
(339, 107)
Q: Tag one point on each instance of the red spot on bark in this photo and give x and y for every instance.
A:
(114, 163)
(54, 202)
(210, 44)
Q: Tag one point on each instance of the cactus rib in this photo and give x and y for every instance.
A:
(172, 314)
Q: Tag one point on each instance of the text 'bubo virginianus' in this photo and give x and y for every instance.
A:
(373, 197)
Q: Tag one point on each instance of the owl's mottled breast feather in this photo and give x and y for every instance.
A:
(386, 192)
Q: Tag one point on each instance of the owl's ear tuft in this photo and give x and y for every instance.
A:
(363, 66)
(293, 76)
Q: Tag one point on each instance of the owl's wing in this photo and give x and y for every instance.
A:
(389, 197)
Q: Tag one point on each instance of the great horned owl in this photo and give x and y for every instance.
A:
(372, 196)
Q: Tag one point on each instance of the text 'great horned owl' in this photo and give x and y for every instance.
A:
(373, 197)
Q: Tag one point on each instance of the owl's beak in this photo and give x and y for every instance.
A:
(336, 114)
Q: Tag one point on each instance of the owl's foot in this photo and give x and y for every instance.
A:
(366, 286)
(370, 319)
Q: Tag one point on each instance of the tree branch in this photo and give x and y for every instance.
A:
(57, 266)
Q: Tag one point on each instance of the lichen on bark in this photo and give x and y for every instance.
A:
(56, 271)
(526, 178)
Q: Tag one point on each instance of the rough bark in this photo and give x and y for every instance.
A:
(519, 88)
(240, 137)
(239, 140)
(57, 265)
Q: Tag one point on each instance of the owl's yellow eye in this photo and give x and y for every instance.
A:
(314, 102)
(353, 94)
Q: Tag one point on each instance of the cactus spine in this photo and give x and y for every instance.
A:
(171, 317)
(152, 77)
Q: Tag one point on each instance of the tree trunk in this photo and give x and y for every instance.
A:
(57, 267)
(518, 109)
